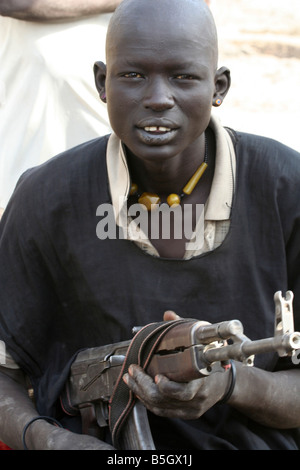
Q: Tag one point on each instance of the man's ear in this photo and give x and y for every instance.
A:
(222, 85)
(100, 78)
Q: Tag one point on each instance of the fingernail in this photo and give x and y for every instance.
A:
(125, 378)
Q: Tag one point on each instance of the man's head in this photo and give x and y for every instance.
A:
(161, 76)
(178, 15)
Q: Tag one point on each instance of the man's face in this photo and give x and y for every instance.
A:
(159, 87)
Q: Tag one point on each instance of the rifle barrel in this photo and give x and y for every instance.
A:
(243, 350)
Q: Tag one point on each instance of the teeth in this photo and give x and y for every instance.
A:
(157, 129)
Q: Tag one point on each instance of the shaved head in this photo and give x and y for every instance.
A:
(183, 16)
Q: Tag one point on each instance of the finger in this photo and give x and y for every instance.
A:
(162, 405)
(169, 315)
(175, 390)
(142, 385)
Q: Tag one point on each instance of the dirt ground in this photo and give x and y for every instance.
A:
(259, 40)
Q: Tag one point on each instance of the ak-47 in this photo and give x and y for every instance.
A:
(182, 350)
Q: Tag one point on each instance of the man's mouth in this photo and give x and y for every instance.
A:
(157, 129)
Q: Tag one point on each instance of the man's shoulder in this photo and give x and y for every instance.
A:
(82, 155)
(61, 181)
(67, 166)
(267, 153)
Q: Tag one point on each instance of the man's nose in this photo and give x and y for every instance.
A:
(158, 95)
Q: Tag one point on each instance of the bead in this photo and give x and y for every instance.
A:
(173, 200)
(133, 189)
(189, 187)
(150, 200)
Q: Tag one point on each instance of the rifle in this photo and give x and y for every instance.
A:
(182, 350)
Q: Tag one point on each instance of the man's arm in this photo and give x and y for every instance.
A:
(17, 409)
(55, 10)
(270, 398)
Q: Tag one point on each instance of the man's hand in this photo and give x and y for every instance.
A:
(164, 397)
(55, 10)
(177, 400)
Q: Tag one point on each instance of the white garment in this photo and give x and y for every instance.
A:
(48, 99)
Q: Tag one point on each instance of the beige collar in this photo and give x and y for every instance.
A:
(219, 203)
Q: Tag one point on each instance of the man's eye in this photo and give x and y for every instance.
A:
(184, 76)
(133, 75)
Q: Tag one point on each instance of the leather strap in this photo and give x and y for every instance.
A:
(140, 351)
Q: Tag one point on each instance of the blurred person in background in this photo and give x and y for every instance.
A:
(48, 101)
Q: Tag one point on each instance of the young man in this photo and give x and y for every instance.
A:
(64, 288)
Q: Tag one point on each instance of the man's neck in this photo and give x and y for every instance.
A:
(172, 175)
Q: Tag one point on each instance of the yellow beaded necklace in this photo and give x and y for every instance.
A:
(152, 200)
